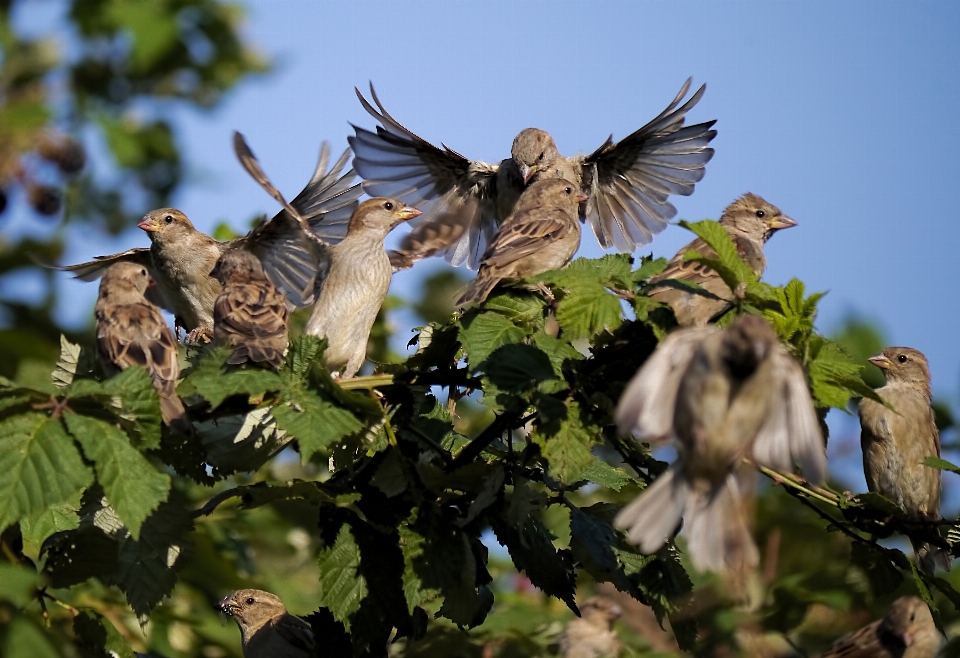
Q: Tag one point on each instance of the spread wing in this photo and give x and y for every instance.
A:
(428, 239)
(394, 162)
(329, 199)
(647, 404)
(628, 183)
(94, 269)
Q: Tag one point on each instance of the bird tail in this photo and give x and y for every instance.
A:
(717, 535)
(652, 518)
(173, 413)
(929, 557)
(478, 291)
(260, 355)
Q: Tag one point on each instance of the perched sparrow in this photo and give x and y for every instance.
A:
(181, 258)
(356, 284)
(906, 631)
(131, 332)
(541, 235)
(750, 221)
(627, 184)
(895, 443)
(250, 315)
(592, 635)
(266, 628)
(723, 394)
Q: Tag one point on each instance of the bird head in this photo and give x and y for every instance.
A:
(237, 265)
(746, 343)
(904, 365)
(125, 282)
(251, 607)
(533, 150)
(907, 618)
(754, 217)
(380, 215)
(554, 193)
(164, 223)
(602, 608)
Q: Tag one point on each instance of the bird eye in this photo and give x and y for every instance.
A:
(250, 600)
(913, 616)
(168, 219)
(902, 358)
(388, 205)
(760, 213)
(541, 156)
(143, 272)
(568, 190)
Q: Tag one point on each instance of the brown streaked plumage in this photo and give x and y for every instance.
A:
(723, 394)
(750, 221)
(357, 282)
(627, 183)
(131, 332)
(267, 630)
(591, 635)
(541, 235)
(895, 443)
(250, 315)
(906, 631)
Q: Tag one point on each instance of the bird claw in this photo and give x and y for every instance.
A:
(198, 336)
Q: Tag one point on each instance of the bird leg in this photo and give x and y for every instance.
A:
(198, 336)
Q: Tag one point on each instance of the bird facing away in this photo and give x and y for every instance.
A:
(250, 314)
(895, 443)
(722, 394)
(541, 235)
(627, 183)
(906, 631)
(180, 257)
(591, 635)
(267, 630)
(132, 332)
(750, 221)
(357, 282)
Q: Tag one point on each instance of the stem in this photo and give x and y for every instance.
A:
(791, 481)
(214, 502)
(371, 381)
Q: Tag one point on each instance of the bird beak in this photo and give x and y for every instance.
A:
(227, 606)
(907, 639)
(581, 197)
(407, 212)
(527, 172)
(880, 361)
(780, 221)
(148, 224)
(151, 282)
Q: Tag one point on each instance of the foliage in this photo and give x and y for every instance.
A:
(391, 509)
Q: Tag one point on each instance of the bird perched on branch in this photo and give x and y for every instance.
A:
(906, 631)
(267, 630)
(627, 184)
(250, 314)
(131, 332)
(591, 635)
(750, 221)
(723, 394)
(541, 235)
(180, 257)
(895, 443)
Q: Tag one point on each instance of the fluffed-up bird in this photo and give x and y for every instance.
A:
(132, 332)
(267, 630)
(723, 395)
(750, 221)
(250, 314)
(895, 443)
(180, 258)
(906, 631)
(627, 183)
(541, 235)
(591, 635)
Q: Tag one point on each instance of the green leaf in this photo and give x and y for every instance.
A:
(24, 640)
(241, 442)
(215, 381)
(884, 578)
(558, 351)
(518, 368)
(485, 332)
(567, 451)
(728, 263)
(520, 307)
(39, 467)
(650, 268)
(942, 464)
(67, 364)
(342, 588)
(17, 584)
(303, 353)
(97, 636)
(315, 423)
(139, 405)
(56, 518)
(133, 487)
(587, 310)
(602, 473)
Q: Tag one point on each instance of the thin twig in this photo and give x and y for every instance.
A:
(214, 502)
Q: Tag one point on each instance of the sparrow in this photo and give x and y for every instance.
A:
(591, 635)
(131, 332)
(541, 235)
(723, 395)
(895, 443)
(267, 630)
(627, 183)
(906, 631)
(180, 257)
(750, 221)
(351, 293)
(250, 314)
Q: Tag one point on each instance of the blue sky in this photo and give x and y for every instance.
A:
(843, 114)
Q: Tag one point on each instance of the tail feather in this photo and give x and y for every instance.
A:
(717, 535)
(256, 354)
(929, 557)
(174, 415)
(479, 290)
(652, 518)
